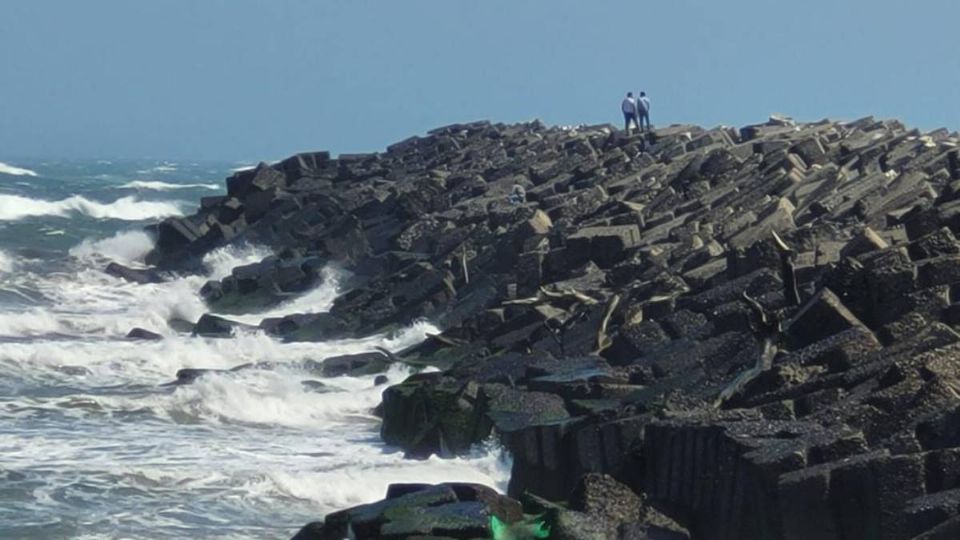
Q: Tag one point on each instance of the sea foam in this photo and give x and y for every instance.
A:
(88, 301)
(15, 207)
(240, 442)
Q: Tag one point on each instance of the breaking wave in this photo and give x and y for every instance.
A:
(124, 247)
(157, 185)
(15, 171)
(14, 207)
(241, 443)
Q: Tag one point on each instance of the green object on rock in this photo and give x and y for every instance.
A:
(521, 530)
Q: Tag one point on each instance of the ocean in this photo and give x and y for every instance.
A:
(93, 445)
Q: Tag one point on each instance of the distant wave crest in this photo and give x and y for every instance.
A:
(14, 207)
(15, 171)
(165, 168)
(163, 186)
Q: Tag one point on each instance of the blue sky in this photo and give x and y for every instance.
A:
(244, 79)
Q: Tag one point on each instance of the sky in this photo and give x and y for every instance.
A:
(251, 80)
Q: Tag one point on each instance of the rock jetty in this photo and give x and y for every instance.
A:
(718, 334)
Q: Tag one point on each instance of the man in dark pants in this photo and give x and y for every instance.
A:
(643, 111)
(629, 109)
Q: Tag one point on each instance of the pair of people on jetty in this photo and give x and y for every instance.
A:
(636, 111)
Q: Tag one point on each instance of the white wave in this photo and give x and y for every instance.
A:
(165, 168)
(238, 442)
(277, 399)
(117, 361)
(90, 302)
(15, 207)
(123, 247)
(15, 171)
(6, 262)
(220, 262)
(270, 399)
(36, 322)
(157, 185)
(369, 474)
(229, 471)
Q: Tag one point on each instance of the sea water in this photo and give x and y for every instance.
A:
(92, 442)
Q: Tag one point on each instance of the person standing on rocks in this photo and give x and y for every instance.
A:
(629, 109)
(643, 111)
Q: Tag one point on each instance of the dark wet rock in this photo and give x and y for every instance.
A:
(140, 333)
(211, 325)
(190, 375)
(420, 511)
(74, 371)
(136, 275)
(257, 286)
(354, 364)
(429, 413)
(380, 380)
(180, 325)
(316, 386)
(308, 327)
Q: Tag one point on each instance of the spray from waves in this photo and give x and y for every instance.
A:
(157, 185)
(118, 361)
(331, 487)
(124, 247)
(132, 246)
(88, 302)
(219, 263)
(15, 207)
(6, 263)
(272, 398)
(96, 306)
(15, 171)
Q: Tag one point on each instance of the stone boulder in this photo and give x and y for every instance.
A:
(135, 275)
(420, 511)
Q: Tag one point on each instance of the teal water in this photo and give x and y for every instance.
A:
(91, 444)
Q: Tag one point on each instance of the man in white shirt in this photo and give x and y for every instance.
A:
(629, 109)
(643, 111)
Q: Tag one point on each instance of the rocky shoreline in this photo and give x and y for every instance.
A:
(720, 334)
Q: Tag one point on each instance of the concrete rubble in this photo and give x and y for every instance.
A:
(635, 323)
